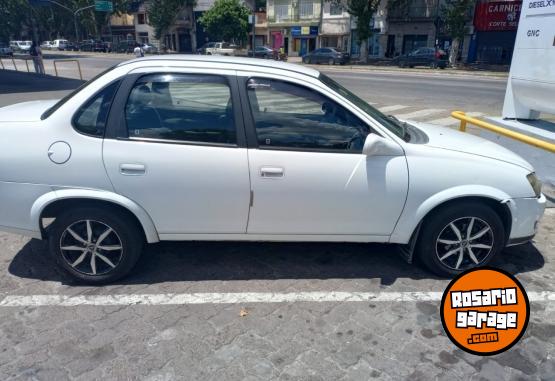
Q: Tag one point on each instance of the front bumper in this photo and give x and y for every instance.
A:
(526, 214)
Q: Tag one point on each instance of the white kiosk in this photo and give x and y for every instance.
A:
(531, 83)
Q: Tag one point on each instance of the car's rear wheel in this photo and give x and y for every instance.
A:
(459, 237)
(95, 246)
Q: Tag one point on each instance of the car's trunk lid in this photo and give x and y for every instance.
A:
(25, 111)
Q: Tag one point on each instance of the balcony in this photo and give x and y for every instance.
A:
(296, 11)
(413, 13)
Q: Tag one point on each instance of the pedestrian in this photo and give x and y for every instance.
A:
(36, 54)
(139, 52)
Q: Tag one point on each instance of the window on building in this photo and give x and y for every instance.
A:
(143, 37)
(336, 9)
(282, 11)
(141, 18)
(306, 9)
(182, 107)
(290, 116)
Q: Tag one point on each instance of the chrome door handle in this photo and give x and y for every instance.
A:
(132, 169)
(271, 172)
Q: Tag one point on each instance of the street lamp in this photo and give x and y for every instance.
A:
(74, 14)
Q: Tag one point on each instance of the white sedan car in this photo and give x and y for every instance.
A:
(222, 148)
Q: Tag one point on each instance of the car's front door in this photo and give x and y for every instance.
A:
(175, 146)
(308, 173)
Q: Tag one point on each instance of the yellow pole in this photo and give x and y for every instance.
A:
(502, 131)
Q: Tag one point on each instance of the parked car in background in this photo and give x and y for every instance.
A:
(59, 44)
(202, 49)
(149, 151)
(220, 48)
(95, 46)
(430, 57)
(20, 46)
(149, 49)
(264, 52)
(125, 46)
(5, 50)
(72, 46)
(331, 56)
(46, 45)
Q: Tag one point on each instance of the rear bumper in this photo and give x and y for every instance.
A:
(526, 214)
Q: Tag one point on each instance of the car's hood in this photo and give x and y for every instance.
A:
(453, 140)
(26, 111)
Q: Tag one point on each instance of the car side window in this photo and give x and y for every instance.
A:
(91, 118)
(291, 116)
(185, 107)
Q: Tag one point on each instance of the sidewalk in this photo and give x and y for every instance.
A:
(422, 70)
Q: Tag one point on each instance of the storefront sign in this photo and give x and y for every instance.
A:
(540, 7)
(297, 31)
(497, 15)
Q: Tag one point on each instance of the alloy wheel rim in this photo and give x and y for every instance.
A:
(464, 243)
(91, 247)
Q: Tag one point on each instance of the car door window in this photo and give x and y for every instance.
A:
(291, 116)
(90, 119)
(181, 107)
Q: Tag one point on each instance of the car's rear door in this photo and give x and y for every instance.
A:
(308, 173)
(175, 145)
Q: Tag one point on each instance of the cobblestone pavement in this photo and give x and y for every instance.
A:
(288, 341)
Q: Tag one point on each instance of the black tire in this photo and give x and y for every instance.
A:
(121, 262)
(429, 250)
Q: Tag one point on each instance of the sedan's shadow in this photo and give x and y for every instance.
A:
(193, 261)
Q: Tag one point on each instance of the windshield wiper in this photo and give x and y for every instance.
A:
(403, 126)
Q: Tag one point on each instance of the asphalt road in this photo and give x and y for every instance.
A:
(426, 90)
(396, 334)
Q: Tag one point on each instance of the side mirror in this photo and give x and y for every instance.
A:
(375, 145)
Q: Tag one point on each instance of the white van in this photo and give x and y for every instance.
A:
(59, 44)
(20, 46)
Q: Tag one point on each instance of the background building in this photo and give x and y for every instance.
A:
(293, 24)
(411, 26)
(495, 25)
(336, 27)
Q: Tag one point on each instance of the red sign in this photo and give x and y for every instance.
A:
(497, 15)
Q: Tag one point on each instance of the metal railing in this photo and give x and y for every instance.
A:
(76, 61)
(11, 58)
(502, 131)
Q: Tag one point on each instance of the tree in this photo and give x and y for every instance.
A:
(227, 20)
(13, 15)
(163, 13)
(363, 11)
(455, 14)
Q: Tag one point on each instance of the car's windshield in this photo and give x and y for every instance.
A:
(62, 101)
(391, 123)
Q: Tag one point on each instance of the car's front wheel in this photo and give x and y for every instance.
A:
(459, 237)
(95, 246)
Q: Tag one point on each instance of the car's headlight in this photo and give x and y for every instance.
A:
(535, 183)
